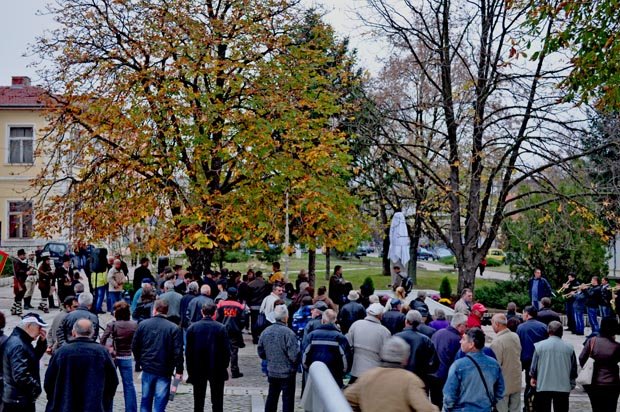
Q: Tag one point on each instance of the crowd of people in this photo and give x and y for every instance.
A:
(385, 353)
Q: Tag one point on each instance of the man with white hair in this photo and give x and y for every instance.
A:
(507, 349)
(390, 387)
(192, 292)
(326, 344)
(194, 309)
(367, 337)
(20, 360)
(447, 343)
(85, 302)
(174, 302)
(278, 345)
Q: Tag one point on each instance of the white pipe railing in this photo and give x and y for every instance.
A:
(322, 393)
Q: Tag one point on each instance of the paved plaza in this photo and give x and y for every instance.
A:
(241, 395)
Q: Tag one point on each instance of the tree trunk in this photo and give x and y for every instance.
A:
(414, 236)
(467, 276)
(327, 262)
(312, 267)
(200, 259)
(387, 270)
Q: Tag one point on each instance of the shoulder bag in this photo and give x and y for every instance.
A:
(110, 344)
(585, 374)
(484, 382)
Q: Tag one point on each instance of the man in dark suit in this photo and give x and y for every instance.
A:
(208, 356)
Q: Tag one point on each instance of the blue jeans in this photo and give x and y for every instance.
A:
(154, 387)
(606, 312)
(579, 325)
(125, 367)
(592, 318)
(113, 297)
(100, 292)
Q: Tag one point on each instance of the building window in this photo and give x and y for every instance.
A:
(20, 220)
(21, 144)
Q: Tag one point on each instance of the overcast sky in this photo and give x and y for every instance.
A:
(20, 25)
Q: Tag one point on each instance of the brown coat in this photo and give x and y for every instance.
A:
(121, 332)
(388, 390)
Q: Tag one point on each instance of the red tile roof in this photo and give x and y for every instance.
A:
(21, 97)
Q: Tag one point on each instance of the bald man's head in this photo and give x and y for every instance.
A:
(83, 328)
(205, 290)
(499, 322)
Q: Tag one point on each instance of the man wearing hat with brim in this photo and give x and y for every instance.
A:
(350, 312)
(394, 319)
(63, 278)
(367, 337)
(46, 273)
(474, 320)
(232, 314)
(20, 360)
(21, 271)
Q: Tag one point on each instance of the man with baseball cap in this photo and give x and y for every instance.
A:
(474, 320)
(20, 360)
(367, 337)
(317, 315)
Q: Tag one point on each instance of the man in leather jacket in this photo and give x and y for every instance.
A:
(20, 364)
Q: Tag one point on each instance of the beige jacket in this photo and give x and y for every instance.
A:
(507, 348)
(116, 280)
(388, 390)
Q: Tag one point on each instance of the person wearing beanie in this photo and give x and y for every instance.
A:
(350, 312)
(399, 390)
(393, 319)
(232, 314)
(367, 337)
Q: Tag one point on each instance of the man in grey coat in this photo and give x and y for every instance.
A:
(278, 345)
(367, 337)
(553, 370)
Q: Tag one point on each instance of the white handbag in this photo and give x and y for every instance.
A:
(585, 374)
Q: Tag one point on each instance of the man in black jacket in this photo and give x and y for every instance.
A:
(142, 272)
(20, 364)
(423, 358)
(350, 312)
(85, 303)
(393, 319)
(158, 349)
(81, 376)
(208, 356)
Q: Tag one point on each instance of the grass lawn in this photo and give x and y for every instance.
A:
(502, 268)
(355, 271)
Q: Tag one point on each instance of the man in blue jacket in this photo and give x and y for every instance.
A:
(475, 382)
(326, 344)
(447, 343)
(538, 288)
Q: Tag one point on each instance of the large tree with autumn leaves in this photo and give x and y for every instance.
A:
(202, 114)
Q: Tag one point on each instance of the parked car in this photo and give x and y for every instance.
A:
(57, 250)
(426, 254)
(442, 252)
(496, 254)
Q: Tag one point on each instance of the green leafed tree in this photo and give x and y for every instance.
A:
(561, 237)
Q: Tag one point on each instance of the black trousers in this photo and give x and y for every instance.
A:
(543, 401)
(529, 390)
(12, 407)
(217, 394)
(603, 398)
(435, 387)
(287, 387)
(234, 359)
(255, 333)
